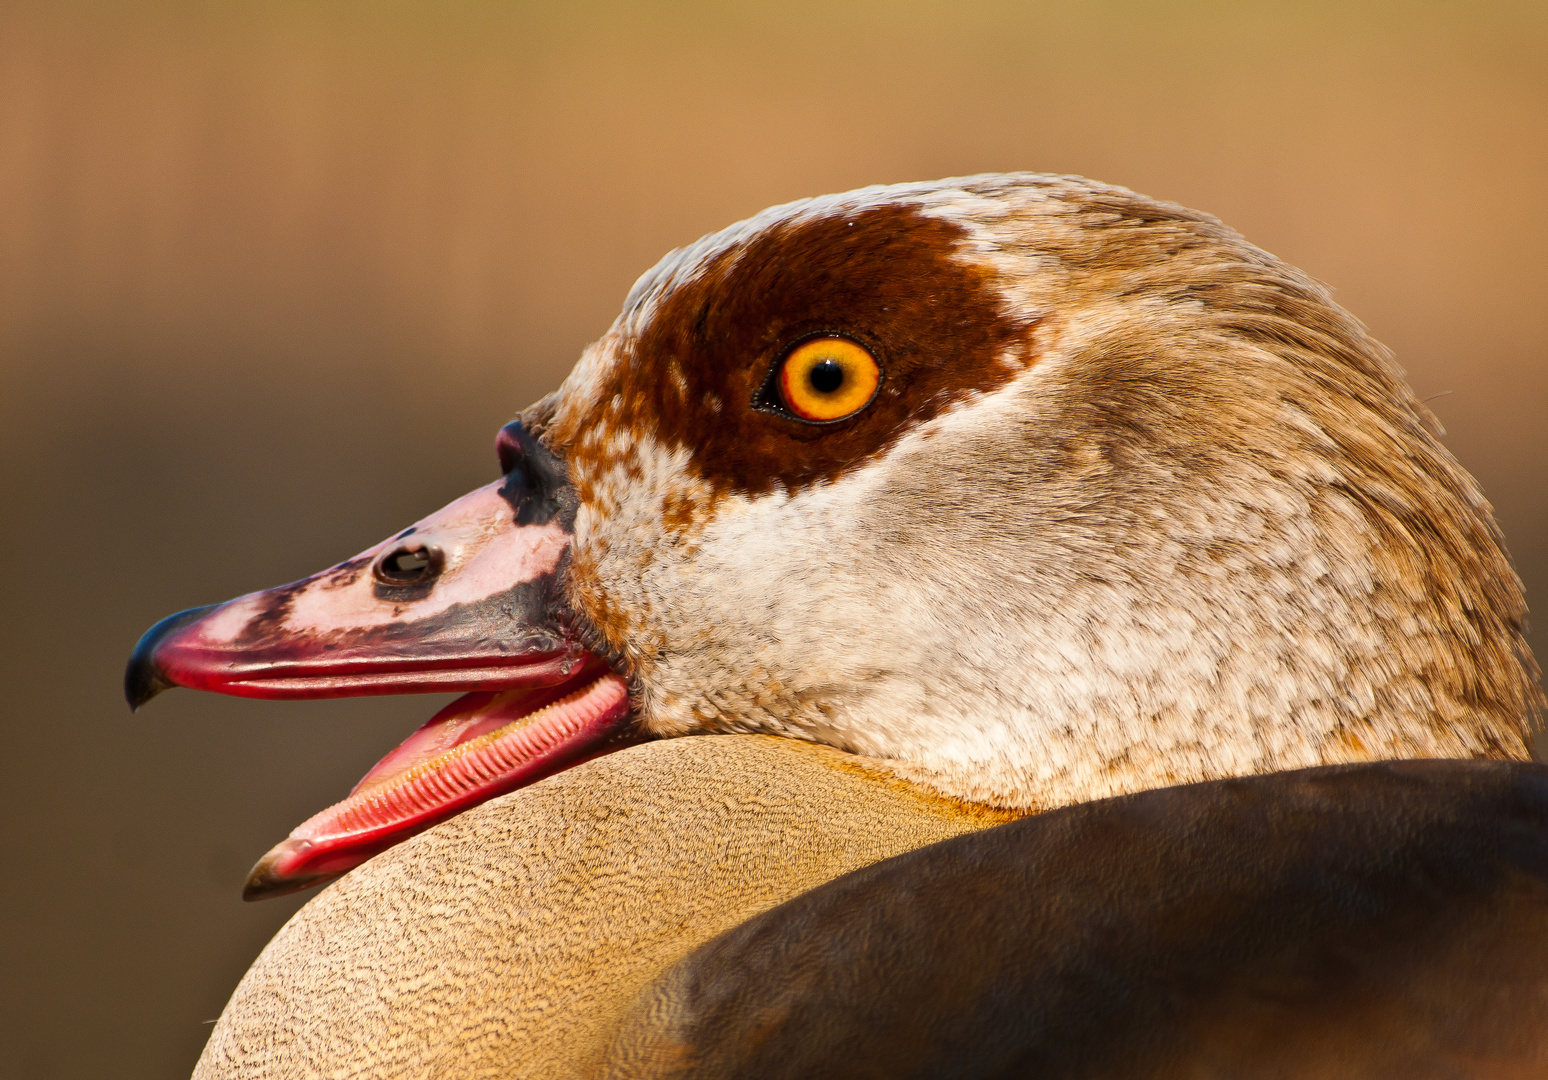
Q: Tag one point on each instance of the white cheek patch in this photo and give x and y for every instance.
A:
(781, 588)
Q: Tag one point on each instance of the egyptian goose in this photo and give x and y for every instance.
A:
(1070, 569)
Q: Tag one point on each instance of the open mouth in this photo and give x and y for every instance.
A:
(481, 745)
(470, 598)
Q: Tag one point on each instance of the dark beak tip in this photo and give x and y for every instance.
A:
(144, 677)
(269, 879)
(143, 680)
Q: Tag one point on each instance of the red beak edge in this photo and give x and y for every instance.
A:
(468, 599)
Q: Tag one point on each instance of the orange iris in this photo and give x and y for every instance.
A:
(828, 378)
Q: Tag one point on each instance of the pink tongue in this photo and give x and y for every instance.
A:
(481, 745)
(468, 717)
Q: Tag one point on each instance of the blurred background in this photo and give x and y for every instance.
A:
(272, 275)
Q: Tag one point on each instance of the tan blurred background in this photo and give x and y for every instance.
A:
(272, 275)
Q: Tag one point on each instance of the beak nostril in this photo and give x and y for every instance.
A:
(408, 565)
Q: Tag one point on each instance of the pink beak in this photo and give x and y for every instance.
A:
(471, 598)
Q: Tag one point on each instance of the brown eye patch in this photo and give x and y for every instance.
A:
(883, 276)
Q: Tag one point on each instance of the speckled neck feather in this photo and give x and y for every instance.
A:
(1137, 504)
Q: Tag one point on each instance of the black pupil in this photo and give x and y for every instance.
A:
(826, 376)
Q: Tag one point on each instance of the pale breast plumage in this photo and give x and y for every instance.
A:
(985, 498)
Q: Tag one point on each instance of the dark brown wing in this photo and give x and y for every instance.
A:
(1386, 920)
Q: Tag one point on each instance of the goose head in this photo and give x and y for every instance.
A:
(1028, 489)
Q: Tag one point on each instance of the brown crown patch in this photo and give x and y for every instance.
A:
(884, 276)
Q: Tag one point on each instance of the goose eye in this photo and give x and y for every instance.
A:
(828, 378)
